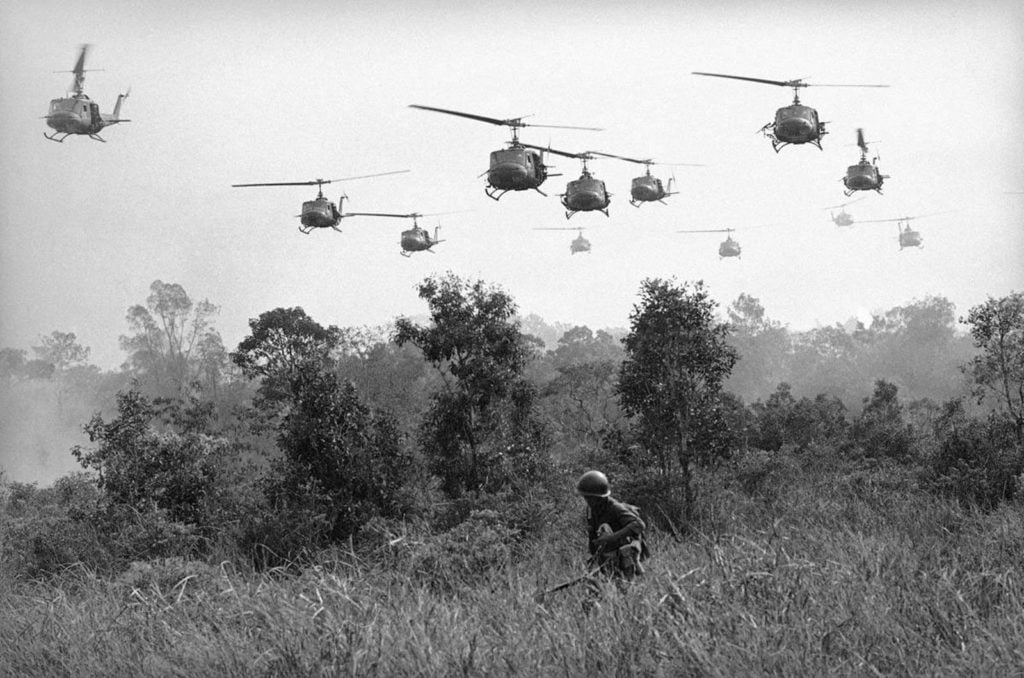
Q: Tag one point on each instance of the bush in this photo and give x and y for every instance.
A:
(976, 460)
(879, 429)
(150, 478)
(468, 553)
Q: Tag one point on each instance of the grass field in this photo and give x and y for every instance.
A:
(820, 569)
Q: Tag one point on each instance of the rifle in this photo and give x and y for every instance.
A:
(595, 564)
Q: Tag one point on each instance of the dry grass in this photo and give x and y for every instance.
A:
(824, 574)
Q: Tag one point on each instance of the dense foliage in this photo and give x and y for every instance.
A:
(480, 432)
(676, 360)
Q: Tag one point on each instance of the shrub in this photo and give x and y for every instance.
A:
(976, 460)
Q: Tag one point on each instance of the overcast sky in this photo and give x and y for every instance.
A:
(233, 92)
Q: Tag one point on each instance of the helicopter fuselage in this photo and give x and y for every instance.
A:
(80, 115)
(585, 194)
(417, 239)
(318, 213)
(580, 244)
(515, 169)
(864, 176)
(842, 219)
(729, 248)
(647, 189)
(795, 124)
(909, 238)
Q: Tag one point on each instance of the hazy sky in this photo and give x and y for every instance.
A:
(232, 92)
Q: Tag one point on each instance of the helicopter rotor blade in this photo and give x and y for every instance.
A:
(590, 129)
(782, 83)
(708, 230)
(622, 157)
(860, 140)
(280, 183)
(508, 122)
(908, 218)
(380, 214)
(798, 82)
(318, 182)
(823, 84)
(548, 149)
(471, 116)
(409, 215)
(367, 176)
(559, 228)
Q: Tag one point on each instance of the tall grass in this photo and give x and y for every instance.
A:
(811, 571)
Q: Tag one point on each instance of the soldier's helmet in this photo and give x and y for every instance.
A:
(593, 484)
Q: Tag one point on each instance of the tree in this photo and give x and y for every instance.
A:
(915, 346)
(475, 344)
(285, 345)
(676, 360)
(62, 350)
(880, 429)
(346, 457)
(997, 327)
(173, 341)
(582, 395)
(186, 478)
(763, 347)
(12, 363)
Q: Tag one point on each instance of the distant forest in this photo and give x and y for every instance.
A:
(174, 354)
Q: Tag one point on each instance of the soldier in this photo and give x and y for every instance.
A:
(614, 528)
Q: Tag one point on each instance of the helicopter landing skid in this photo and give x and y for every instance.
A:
(54, 137)
(97, 137)
(495, 194)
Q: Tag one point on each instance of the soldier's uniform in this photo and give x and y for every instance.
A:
(607, 516)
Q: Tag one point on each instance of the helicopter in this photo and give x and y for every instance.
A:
(415, 239)
(908, 237)
(648, 188)
(796, 123)
(78, 114)
(585, 194)
(513, 168)
(319, 212)
(843, 218)
(728, 247)
(579, 243)
(864, 176)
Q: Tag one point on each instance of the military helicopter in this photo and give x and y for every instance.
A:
(319, 212)
(728, 247)
(843, 218)
(908, 237)
(864, 176)
(585, 194)
(415, 239)
(579, 244)
(648, 188)
(78, 114)
(513, 168)
(796, 123)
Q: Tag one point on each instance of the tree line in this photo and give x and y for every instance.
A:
(309, 435)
